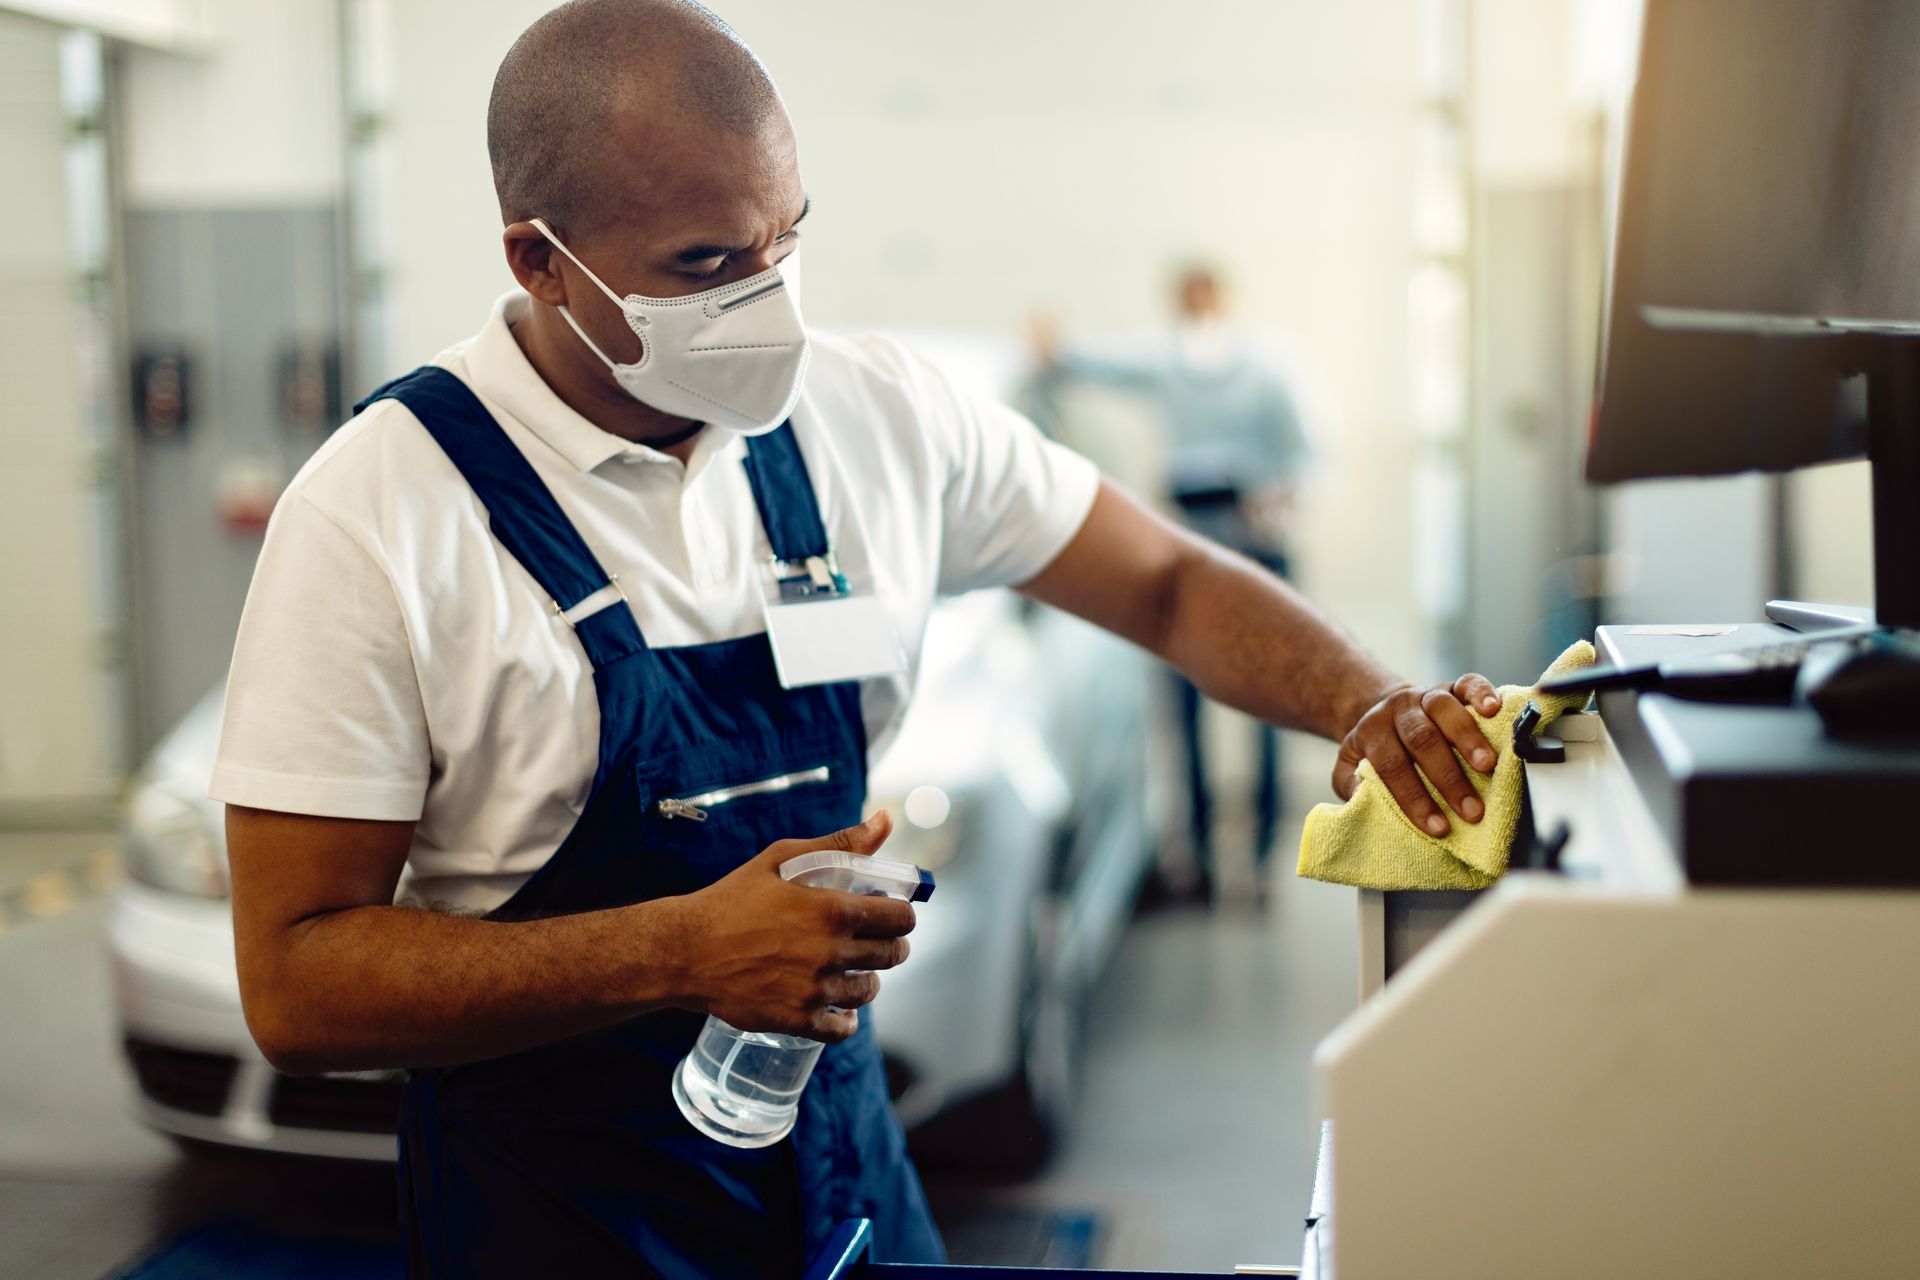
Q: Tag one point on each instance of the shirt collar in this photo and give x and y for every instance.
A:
(499, 371)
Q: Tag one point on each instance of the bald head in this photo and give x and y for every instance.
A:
(590, 78)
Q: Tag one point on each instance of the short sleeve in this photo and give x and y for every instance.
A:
(1012, 499)
(323, 711)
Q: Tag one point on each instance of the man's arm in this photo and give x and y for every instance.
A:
(1249, 640)
(333, 977)
(1054, 358)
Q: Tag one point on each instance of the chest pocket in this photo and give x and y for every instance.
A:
(711, 821)
(700, 806)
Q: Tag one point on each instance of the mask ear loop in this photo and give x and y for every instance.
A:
(566, 313)
(540, 224)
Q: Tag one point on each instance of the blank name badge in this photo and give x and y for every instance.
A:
(833, 638)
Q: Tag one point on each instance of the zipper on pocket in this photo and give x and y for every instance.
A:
(695, 808)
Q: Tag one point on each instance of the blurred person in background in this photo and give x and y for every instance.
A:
(522, 627)
(1235, 453)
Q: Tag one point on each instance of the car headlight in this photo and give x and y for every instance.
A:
(170, 845)
(926, 829)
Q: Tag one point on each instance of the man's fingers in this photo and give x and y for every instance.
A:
(833, 1025)
(1478, 692)
(871, 915)
(865, 838)
(851, 990)
(869, 835)
(1434, 754)
(1410, 734)
(1343, 766)
(1444, 709)
(874, 953)
(1395, 768)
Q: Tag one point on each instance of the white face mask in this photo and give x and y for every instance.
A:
(730, 357)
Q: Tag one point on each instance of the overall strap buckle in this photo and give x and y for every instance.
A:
(607, 596)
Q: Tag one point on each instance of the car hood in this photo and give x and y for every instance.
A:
(182, 764)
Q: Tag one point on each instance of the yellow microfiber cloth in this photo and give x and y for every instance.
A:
(1369, 841)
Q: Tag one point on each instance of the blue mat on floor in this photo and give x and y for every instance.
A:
(239, 1246)
(982, 1233)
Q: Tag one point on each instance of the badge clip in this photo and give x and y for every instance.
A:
(817, 578)
(821, 631)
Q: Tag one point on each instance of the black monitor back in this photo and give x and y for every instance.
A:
(1771, 174)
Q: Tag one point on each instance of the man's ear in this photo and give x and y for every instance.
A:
(534, 264)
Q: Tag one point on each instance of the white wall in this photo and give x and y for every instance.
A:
(160, 23)
(1686, 550)
(971, 161)
(250, 117)
(1523, 91)
(1831, 546)
(53, 741)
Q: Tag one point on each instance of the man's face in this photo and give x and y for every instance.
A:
(687, 207)
(1198, 296)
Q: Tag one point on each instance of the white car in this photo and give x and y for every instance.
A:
(1019, 778)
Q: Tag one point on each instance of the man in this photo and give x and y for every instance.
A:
(507, 652)
(1235, 453)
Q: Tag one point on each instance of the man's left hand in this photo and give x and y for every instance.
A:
(1410, 726)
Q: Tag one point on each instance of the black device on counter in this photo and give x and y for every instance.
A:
(1761, 793)
(1767, 673)
(1863, 686)
(1763, 314)
(1858, 680)
(1764, 304)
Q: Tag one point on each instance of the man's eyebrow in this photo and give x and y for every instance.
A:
(708, 252)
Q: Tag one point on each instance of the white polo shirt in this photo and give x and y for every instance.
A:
(395, 662)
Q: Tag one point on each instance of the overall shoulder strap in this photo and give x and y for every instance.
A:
(521, 510)
(783, 491)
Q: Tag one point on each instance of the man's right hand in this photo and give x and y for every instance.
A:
(768, 955)
(335, 977)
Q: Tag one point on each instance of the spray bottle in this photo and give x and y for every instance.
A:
(743, 1087)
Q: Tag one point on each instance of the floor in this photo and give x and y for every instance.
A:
(82, 1186)
(1196, 1133)
(1192, 1147)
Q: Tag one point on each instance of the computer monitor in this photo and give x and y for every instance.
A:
(1764, 297)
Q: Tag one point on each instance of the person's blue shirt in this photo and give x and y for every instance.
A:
(1231, 420)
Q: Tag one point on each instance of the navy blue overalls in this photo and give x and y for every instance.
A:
(572, 1159)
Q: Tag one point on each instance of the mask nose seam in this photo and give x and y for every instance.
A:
(701, 299)
(716, 313)
(771, 289)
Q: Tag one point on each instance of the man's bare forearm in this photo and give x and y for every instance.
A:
(1241, 634)
(1251, 641)
(333, 978)
(1248, 639)
(377, 986)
